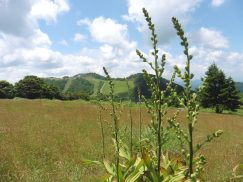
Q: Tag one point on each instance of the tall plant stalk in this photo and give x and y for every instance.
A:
(147, 164)
(102, 129)
(130, 117)
(188, 100)
(154, 85)
(115, 121)
(140, 116)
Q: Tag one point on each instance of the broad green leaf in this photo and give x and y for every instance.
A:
(89, 162)
(110, 169)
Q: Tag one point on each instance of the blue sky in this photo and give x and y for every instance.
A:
(66, 37)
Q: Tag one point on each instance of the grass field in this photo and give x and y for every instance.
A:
(46, 140)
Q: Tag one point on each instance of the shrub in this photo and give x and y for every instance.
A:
(32, 87)
(6, 90)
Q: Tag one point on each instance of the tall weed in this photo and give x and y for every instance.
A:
(154, 161)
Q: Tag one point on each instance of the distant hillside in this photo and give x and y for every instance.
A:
(239, 86)
(197, 83)
(90, 83)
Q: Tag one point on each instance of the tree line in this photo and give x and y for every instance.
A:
(217, 91)
(33, 87)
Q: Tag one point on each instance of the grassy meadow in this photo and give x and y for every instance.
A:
(44, 140)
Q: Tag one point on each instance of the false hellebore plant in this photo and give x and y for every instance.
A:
(153, 161)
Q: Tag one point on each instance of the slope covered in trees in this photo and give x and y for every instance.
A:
(90, 83)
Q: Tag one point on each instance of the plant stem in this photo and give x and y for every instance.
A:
(140, 118)
(131, 132)
(102, 132)
(115, 122)
(190, 129)
(130, 117)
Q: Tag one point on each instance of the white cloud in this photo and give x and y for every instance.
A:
(26, 49)
(19, 18)
(15, 18)
(79, 37)
(49, 9)
(85, 21)
(209, 38)
(63, 42)
(229, 61)
(106, 30)
(161, 13)
(41, 39)
(217, 3)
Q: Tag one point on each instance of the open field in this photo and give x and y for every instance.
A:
(45, 141)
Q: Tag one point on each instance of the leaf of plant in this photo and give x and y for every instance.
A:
(110, 169)
(89, 162)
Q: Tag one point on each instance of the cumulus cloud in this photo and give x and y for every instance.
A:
(24, 55)
(25, 48)
(229, 61)
(108, 31)
(15, 18)
(116, 51)
(23, 22)
(161, 13)
(209, 38)
(217, 3)
(79, 37)
(48, 9)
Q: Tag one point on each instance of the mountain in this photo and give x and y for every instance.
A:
(197, 83)
(91, 83)
(239, 86)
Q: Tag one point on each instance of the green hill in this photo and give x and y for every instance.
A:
(239, 86)
(90, 83)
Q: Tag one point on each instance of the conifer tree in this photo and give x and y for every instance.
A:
(231, 94)
(219, 92)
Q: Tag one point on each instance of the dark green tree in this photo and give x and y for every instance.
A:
(140, 84)
(218, 92)
(231, 95)
(32, 87)
(6, 90)
(51, 92)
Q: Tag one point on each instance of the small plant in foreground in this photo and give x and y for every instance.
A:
(238, 172)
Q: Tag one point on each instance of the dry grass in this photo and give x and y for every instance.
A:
(45, 141)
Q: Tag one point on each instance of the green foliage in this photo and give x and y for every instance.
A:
(50, 92)
(130, 169)
(152, 161)
(140, 84)
(32, 87)
(231, 95)
(91, 83)
(92, 75)
(80, 85)
(158, 104)
(241, 97)
(189, 102)
(219, 92)
(115, 121)
(6, 90)
(58, 83)
(74, 96)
